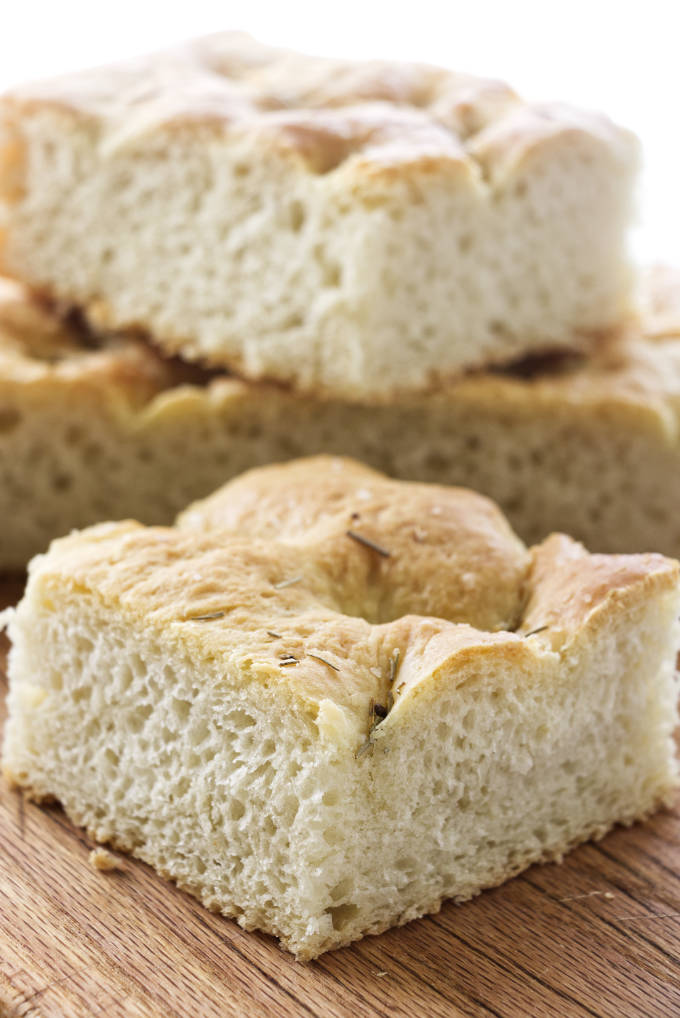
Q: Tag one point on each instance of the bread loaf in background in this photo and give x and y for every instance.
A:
(96, 428)
(323, 718)
(359, 230)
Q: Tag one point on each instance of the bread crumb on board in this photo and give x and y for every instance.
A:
(102, 859)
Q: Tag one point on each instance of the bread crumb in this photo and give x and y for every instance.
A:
(102, 859)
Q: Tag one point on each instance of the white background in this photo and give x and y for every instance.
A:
(623, 57)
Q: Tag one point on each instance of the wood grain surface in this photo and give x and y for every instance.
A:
(598, 935)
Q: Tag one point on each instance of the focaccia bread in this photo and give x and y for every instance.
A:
(73, 447)
(354, 229)
(350, 700)
(95, 428)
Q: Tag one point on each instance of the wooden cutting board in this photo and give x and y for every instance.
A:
(598, 935)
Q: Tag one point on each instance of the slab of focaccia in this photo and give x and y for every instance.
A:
(328, 701)
(356, 229)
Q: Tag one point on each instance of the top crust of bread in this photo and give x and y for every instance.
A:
(393, 214)
(40, 349)
(375, 116)
(254, 584)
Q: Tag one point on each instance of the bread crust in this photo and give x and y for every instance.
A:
(39, 348)
(236, 570)
(376, 117)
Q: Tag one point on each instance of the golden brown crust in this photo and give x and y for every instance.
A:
(569, 586)
(40, 348)
(299, 604)
(327, 113)
(389, 549)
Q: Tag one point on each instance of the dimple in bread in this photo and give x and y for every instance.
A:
(326, 701)
(354, 229)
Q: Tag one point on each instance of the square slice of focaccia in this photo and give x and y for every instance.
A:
(326, 701)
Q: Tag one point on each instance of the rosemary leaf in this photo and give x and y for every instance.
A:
(364, 748)
(287, 583)
(394, 664)
(317, 657)
(367, 543)
(288, 659)
(533, 632)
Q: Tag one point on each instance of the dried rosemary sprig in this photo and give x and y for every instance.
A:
(208, 617)
(394, 664)
(288, 659)
(377, 712)
(367, 543)
(317, 657)
(364, 748)
(533, 632)
(287, 583)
